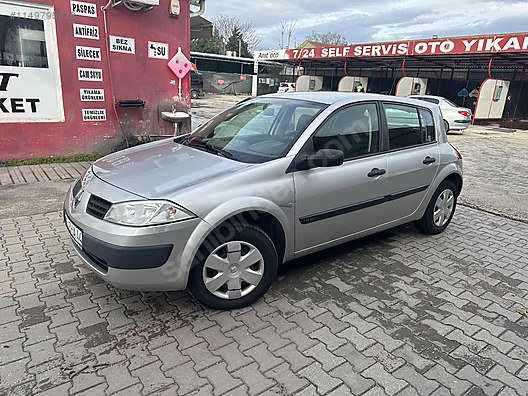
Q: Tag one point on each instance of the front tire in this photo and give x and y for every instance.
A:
(194, 94)
(440, 210)
(234, 267)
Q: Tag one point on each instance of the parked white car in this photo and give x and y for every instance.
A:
(286, 87)
(456, 118)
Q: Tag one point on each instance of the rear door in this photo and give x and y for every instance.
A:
(413, 156)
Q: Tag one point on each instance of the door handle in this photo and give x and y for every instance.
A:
(376, 172)
(429, 160)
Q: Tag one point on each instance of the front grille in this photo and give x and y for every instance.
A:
(97, 207)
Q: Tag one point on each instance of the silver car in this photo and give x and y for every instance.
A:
(456, 118)
(268, 180)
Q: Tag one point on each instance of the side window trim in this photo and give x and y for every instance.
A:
(386, 137)
(291, 168)
(420, 109)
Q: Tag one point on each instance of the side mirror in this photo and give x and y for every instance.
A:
(323, 158)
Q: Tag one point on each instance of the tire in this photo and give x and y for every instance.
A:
(440, 210)
(194, 94)
(233, 283)
(446, 126)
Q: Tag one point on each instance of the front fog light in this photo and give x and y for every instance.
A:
(143, 213)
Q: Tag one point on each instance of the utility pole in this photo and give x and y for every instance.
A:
(240, 55)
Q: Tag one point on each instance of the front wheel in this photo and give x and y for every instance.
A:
(194, 94)
(234, 267)
(440, 210)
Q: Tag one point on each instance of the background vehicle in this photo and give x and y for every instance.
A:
(286, 87)
(456, 118)
(271, 179)
(197, 85)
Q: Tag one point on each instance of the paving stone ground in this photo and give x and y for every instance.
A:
(397, 313)
(495, 169)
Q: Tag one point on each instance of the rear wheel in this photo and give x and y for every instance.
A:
(234, 271)
(446, 126)
(440, 210)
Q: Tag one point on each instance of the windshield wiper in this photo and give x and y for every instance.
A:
(210, 148)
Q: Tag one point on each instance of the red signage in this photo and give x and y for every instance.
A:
(517, 42)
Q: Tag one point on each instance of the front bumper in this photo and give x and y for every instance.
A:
(134, 258)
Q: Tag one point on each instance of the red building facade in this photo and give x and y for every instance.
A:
(75, 77)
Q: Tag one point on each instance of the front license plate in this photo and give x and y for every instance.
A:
(75, 231)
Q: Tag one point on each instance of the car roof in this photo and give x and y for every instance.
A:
(332, 97)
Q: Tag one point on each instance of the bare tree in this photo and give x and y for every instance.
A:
(287, 30)
(333, 38)
(226, 24)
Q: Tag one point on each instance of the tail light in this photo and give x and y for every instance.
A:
(464, 113)
(457, 153)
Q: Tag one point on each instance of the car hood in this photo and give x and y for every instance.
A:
(161, 169)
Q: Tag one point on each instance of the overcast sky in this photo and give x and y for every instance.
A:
(376, 20)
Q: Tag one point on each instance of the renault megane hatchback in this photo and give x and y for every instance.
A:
(268, 180)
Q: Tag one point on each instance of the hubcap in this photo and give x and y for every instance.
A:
(233, 270)
(443, 208)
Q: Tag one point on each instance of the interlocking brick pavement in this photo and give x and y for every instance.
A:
(397, 313)
(495, 165)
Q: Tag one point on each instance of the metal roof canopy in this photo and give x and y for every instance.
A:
(472, 61)
(485, 52)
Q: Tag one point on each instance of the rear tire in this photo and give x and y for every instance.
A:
(440, 210)
(233, 271)
(446, 126)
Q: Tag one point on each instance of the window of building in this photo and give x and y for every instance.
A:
(22, 42)
(30, 84)
(353, 130)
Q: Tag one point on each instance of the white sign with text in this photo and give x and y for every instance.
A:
(86, 31)
(94, 114)
(92, 95)
(88, 53)
(158, 50)
(88, 74)
(125, 45)
(80, 8)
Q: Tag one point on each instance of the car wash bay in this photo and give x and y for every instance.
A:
(484, 73)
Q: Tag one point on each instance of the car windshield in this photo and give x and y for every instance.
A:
(256, 131)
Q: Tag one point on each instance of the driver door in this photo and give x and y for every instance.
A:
(334, 203)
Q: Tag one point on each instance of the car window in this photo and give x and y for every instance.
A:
(258, 130)
(428, 128)
(450, 103)
(430, 100)
(353, 130)
(403, 124)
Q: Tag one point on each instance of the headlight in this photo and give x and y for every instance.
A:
(144, 213)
